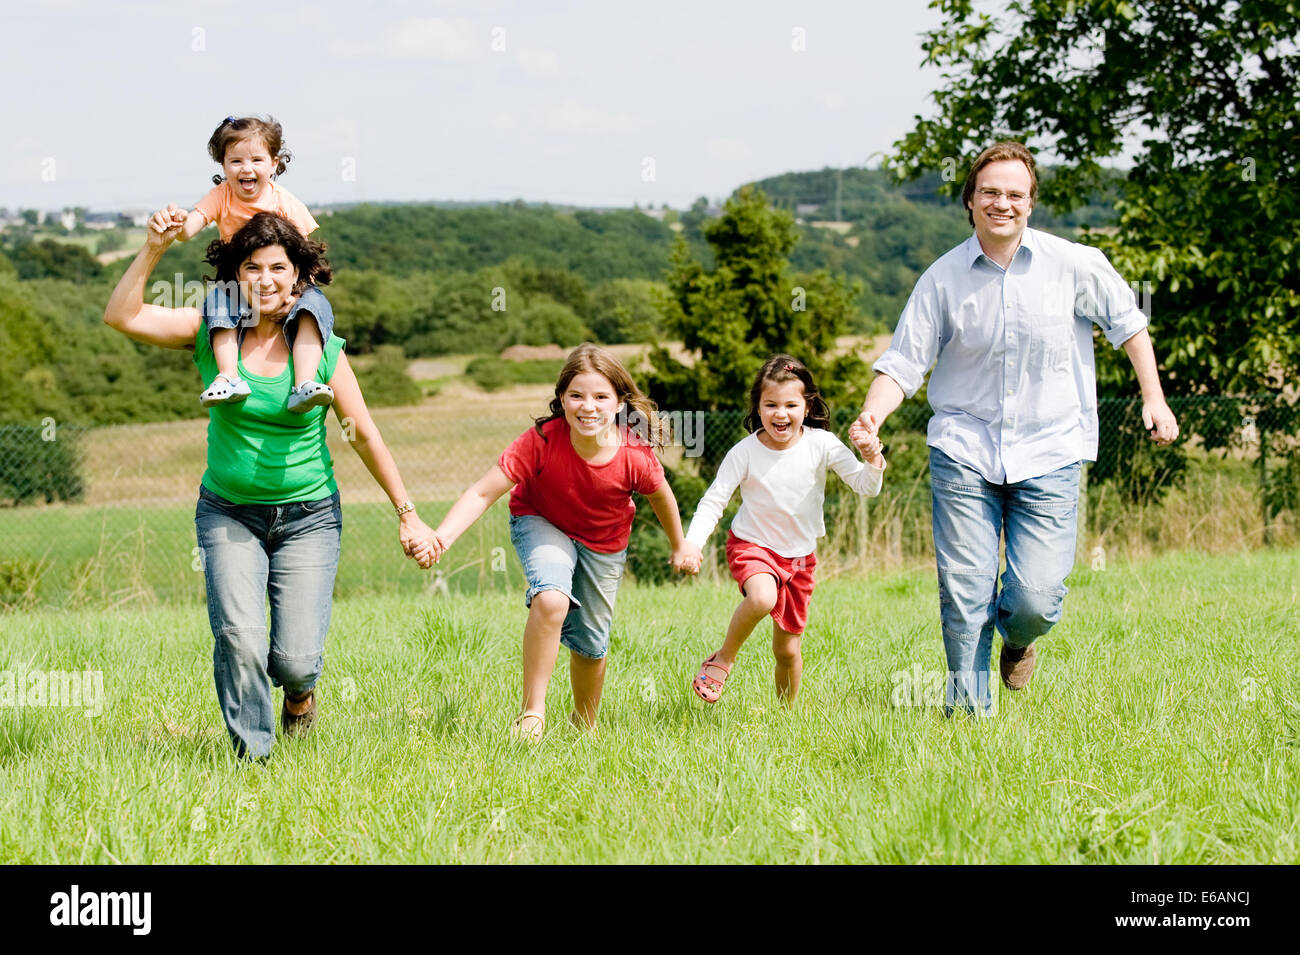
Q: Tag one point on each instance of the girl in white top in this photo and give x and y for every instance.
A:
(781, 472)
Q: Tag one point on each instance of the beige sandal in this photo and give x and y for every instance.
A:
(532, 732)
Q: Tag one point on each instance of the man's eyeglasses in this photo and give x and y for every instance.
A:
(992, 195)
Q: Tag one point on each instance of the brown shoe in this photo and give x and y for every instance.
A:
(1017, 665)
(301, 723)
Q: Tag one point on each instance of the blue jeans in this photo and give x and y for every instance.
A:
(554, 561)
(1039, 517)
(289, 553)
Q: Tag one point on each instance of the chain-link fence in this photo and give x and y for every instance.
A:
(105, 516)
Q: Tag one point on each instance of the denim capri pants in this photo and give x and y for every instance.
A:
(554, 561)
(225, 307)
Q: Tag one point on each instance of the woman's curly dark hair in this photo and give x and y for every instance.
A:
(267, 229)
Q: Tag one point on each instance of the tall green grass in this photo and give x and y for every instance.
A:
(110, 556)
(1163, 725)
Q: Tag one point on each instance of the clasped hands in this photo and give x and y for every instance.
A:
(865, 435)
(426, 548)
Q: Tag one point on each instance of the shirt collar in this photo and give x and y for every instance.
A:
(972, 251)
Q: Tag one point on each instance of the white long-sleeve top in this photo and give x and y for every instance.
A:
(782, 493)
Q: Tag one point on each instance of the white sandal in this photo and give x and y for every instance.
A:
(308, 395)
(225, 390)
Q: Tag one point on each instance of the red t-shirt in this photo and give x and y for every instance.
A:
(592, 503)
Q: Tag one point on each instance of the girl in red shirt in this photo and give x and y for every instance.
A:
(571, 478)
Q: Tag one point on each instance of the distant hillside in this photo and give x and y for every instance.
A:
(864, 224)
(440, 279)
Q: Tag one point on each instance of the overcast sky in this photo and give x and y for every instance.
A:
(110, 103)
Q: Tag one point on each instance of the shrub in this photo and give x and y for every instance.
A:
(39, 462)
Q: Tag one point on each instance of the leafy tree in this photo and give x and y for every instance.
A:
(625, 310)
(543, 322)
(747, 307)
(1207, 212)
(558, 285)
(384, 381)
(50, 259)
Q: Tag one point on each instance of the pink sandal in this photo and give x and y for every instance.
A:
(706, 687)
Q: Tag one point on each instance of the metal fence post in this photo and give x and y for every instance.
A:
(1262, 437)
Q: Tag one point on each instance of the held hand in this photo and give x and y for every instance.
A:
(865, 440)
(868, 421)
(429, 551)
(686, 559)
(1159, 422)
(164, 226)
(411, 531)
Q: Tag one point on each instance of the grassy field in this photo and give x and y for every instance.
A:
(1163, 726)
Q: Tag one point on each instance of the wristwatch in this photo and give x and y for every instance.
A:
(404, 507)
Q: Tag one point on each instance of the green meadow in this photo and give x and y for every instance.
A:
(1163, 726)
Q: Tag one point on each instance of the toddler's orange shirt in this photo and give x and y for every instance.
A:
(232, 213)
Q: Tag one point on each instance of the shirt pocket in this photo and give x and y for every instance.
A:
(1052, 345)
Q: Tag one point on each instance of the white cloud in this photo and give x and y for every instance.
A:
(503, 121)
(725, 149)
(572, 117)
(830, 102)
(433, 38)
(538, 61)
(349, 49)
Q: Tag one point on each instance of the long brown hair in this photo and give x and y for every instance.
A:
(235, 129)
(778, 370)
(639, 413)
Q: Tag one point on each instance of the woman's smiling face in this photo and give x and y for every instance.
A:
(268, 278)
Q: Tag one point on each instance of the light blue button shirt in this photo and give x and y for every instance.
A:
(1014, 388)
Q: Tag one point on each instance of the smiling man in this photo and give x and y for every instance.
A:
(1005, 319)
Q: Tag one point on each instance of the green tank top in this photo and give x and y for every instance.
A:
(258, 451)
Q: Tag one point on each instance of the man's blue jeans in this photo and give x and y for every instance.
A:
(288, 553)
(1039, 517)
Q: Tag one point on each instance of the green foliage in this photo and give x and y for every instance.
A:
(39, 462)
(402, 239)
(746, 308)
(544, 323)
(373, 309)
(58, 359)
(491, 373)
(111, 240)
(1137, 468)
(626, 310)
(1207, 212)
(50, 259)
(384, 381)
(648, 550)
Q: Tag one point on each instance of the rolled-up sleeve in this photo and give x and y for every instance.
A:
(915, 344)
(1105, 299)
